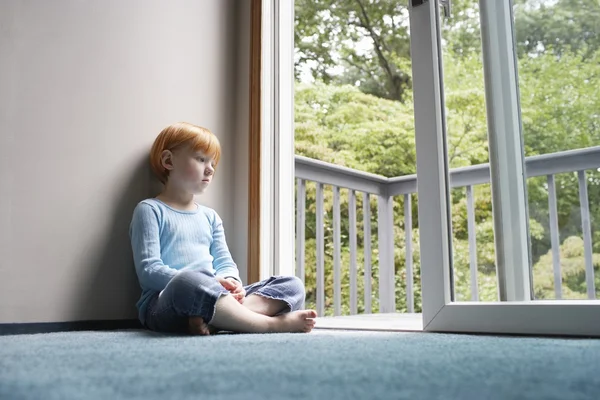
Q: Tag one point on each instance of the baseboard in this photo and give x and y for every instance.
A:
(47, 327)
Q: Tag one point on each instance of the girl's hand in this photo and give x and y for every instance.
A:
(238, 293)
(235, 287)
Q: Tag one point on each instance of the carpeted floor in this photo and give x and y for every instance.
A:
(322, 365)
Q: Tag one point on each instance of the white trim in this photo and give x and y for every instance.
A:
(507, 161)
(576, 318)
(284, 139)
(431, 161)
(266, 150)
(277, 139)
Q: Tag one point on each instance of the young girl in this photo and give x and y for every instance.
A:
(190, 283)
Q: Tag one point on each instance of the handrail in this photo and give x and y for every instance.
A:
(331, 174)
(542, 165)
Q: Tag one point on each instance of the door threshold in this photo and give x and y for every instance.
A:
(390, 322)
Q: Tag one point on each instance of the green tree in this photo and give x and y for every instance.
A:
(366, 42)
(367, 39)
(572, 272)
(557, 27)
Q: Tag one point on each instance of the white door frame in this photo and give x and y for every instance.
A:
(440, 313)
(277, 139)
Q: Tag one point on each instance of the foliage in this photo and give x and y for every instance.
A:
(557, 27)
(573, 273)
(327, 32)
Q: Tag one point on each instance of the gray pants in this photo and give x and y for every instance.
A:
(195, 293)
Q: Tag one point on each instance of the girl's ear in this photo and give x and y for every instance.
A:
(166, 159)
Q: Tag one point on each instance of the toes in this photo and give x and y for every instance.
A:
(309, 324)
(311, 314)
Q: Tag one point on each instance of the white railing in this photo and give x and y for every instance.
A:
(386, 189)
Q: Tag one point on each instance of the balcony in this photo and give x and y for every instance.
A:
(373, 277)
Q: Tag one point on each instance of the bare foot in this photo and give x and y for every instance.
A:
(295, 321)
(197, 326)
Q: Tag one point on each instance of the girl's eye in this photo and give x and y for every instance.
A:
(201, 159)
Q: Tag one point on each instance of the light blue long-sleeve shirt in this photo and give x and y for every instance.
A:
(165, 240)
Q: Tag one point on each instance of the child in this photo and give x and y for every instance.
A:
(189, 281)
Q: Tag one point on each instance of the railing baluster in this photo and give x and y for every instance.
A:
(320, 253)
(410, 297)
(352, 223)
(472, 235)
(367, 249)
(337, 290)
(300, 229)
(385, 229)
(587, 234)
(554, 237)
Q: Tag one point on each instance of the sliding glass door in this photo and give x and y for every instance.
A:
(507, 125)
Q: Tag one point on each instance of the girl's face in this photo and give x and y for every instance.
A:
(191, 170)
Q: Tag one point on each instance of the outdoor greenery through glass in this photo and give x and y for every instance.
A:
(353, 107)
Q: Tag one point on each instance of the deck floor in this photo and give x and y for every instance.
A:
(373, 322)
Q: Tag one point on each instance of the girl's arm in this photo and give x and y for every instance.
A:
(222, 261)
(145, 243)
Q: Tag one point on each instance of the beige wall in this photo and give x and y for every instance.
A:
(85, 86)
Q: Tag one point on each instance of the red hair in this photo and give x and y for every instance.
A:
(179, 135)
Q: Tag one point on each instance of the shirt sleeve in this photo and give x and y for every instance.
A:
(222, 261)
(145, 242)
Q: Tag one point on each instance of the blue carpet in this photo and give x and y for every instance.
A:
(322, 365)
